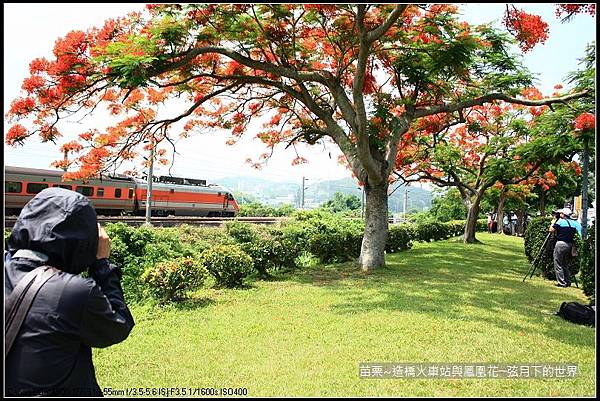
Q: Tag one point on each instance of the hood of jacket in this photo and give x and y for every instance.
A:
(61, 224)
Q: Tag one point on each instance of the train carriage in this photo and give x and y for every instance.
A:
(115, 195)
(109, 195)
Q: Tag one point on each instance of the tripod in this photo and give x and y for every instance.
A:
(533, 267)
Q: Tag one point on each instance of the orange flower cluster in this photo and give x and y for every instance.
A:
(528, 29)
(570, 9)
(585, 121)
(16, 134)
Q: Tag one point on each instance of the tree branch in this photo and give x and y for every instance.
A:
(446, 108)
(376, 33)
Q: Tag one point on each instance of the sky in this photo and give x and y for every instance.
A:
(30, 31)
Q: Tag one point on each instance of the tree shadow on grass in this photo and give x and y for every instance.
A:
(193, 303)
(447, 279)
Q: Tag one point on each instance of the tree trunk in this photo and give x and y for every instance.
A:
(520, 221)
(500, 213)
(584, 190)
(472, 214)
(372, 253)
(543, 204)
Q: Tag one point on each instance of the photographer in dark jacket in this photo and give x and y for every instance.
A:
(52, 355)
(565, 230)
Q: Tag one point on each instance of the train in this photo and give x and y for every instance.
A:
(121, 195)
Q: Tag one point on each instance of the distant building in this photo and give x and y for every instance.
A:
(283, 200)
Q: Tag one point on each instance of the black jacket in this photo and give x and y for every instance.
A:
(52, 352)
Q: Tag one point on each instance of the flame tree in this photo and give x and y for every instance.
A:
(354, 75)
(488, 145)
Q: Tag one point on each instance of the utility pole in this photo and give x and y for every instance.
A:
(405, 202)
(302, 193)
(149, 188)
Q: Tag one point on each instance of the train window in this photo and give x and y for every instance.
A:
(87, 191)
(219, 194)
(63, 186)
(130, 193)
(117, 192)
(230, 196)
(13, 187)
(34, 188)
(172, 191)
(100, 192)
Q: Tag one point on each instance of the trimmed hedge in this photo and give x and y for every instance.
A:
(436, 231)
(588, 271)
(399, 238)
(327, 236)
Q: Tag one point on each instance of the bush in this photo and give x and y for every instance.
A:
(588, 272)
(269, 248)
(200, 237)
(329, 237)
(306, 260)
(399, 237)
(534, 237)
(240, 231)
(333, 239)
(137, 249)
(228, 264)
(169, 281)
(433, 231)
(127, 251)
(269, 253)
(482, 225)
(421, 217)
(333, 244)
(455, 227)
(256, 209)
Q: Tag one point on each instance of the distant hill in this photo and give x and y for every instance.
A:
(277, 193)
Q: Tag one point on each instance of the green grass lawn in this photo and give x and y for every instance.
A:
(304, 334)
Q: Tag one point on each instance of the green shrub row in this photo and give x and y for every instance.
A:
(166, 263)
(427, 232)
(588, 271)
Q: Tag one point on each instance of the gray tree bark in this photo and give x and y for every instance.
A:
(543, 204)
(372, 253)
(500, 213)
(473, 208)
(520, 221)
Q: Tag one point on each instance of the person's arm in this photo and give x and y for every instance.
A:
(553, 225)
(106, 318)
(579, 228)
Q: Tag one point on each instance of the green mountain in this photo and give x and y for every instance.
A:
(315, 193)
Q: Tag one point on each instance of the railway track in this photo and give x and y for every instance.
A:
(9, 221)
